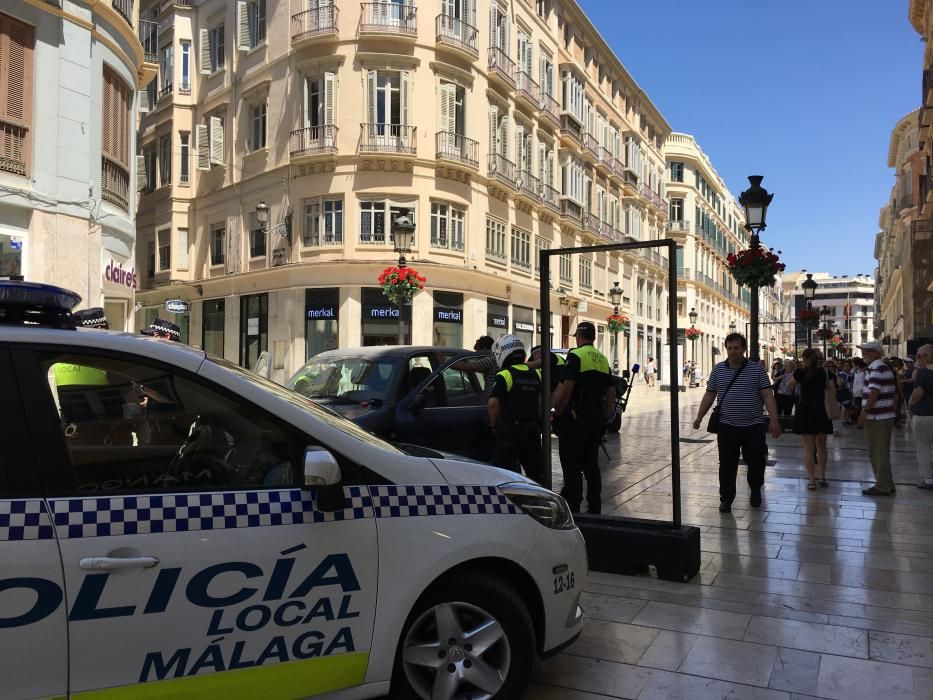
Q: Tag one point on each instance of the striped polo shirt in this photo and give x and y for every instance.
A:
(743, 405)
(881, 377)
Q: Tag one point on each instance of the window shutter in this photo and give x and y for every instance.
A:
(446, 119)
(107, 117)
(493, 130)
(242, 24)
(141, 175)
(204, 159)
(306, 101)
(204, 52)
(217, 141)
(542, 76)
(504, 141)
(371, 96)
(405, 96)
(519, 143)
(142, 101)
(16, 70)
(330, 97)
(470, 12)
(493, 34)
(541, 164)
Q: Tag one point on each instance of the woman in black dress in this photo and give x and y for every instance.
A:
(811, 420)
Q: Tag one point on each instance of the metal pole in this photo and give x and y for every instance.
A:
(544, 266)
(675, 394)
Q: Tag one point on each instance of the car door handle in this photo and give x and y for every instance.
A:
(118, 562)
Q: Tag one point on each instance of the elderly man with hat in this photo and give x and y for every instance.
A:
(581, 405)
(160, 328)
(91, 318)
(877, 418)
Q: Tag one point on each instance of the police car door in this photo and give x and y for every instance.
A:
(188, 548)
(33, 646)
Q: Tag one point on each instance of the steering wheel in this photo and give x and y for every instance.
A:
(197, 454)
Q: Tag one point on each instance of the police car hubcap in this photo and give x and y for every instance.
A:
(456, 651)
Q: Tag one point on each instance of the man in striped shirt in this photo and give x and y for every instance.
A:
(877, 418)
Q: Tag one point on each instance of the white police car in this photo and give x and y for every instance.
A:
(172, 525)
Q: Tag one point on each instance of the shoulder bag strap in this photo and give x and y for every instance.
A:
(734, 377)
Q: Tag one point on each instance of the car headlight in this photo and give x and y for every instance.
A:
(545, 506)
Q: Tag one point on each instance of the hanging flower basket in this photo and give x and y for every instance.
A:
(692, 334)
(824, 334)
(772, 348)
(755, 267)
(808, 318)
(400, 284)
(617, 323)
(785, 350)
(836, 341)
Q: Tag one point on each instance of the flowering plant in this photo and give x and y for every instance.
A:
(617, 323)
(835, 341)
(824, 334)
(772, 348)
(400, 284)
(755, 267)
(785, 350)
(808, 318)
(692, 333)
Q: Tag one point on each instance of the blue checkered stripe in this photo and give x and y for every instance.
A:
(132, 515)
(406, 501)
(25, 519)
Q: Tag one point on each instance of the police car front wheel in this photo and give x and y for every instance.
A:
(469, 638)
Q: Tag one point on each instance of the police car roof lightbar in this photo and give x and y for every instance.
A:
(34, 304)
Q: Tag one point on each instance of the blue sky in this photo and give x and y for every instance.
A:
(804, 92)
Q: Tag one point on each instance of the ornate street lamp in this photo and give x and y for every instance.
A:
(755, 201)
(732, 327)
(692, 316)
(283, 229)
(615, 298)
(403, 237)
(809, 292)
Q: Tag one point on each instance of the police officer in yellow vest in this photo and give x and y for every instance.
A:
(581, 405)
(515, 410)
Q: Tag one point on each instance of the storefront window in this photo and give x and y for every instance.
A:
(448, 319)
(384, 323)
(254, 328)
(322, 308)
(497, 318)
(524, 325)
(212, 327)
(11, 255)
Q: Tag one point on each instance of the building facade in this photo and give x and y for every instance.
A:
(850, 299)
(500, 129)
(69, 75)
(708, 225)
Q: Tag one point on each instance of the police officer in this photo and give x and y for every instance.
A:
(160, 328)
(515, 409)
(91, 318)
(581, 406)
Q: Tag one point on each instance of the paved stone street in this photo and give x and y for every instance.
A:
(823, 593)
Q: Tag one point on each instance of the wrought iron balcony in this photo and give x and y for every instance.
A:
(312, 141)
(529, 185)
(605, 157)
(115, 183)
(528, 88)
(321, 21)
(550, 197)
(592, 223)
(571, 210)
(570, 127)
(166, 90)
(630, 178)
(149, 38)
(502, 168)
(682, 226)
(13, 150)
(590, 145)
(456, 34)
(388, 138)
(389, 18)
(501, 66)
(124, 8)
(549, 108)
(456, 147)
(184, 89)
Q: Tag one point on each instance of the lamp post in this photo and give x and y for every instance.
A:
(732, 327)
(809, 291)
(403, 238)
(693, 345)
(615, 298)
(755, 201)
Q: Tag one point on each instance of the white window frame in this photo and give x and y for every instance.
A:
(218, 228)
(258, 126)
(448, 226)
(390, 208)
(184, 158)
(586, 272)
(164, 234)
(320, 215)
(573, 176)
(496, 240)
(185, 84)
(574, 96)
(521, 249)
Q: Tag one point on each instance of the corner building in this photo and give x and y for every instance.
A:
(500, 128)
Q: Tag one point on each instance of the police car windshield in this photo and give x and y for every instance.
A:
(345, 379)
(331, 418)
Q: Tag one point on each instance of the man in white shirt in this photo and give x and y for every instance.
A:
(650, 371)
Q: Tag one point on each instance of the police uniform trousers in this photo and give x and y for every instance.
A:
(521, 444)
(578, 448)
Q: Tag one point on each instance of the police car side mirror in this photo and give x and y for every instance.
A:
(322, 474)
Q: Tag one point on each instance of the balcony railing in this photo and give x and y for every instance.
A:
(149, 38)
(501, 167)
(114, 183)
(590, 144)
(317, 22)
(571, 210)
(456, 33)
(646, 193)
(389, 17)
(388, 138)
(550, 108)
(618, 169)
(528, 88)
(166, 91)
(550, 196)
(529, 185)
(451, 146)
(570, 127)
(500, 64)
(683, 226)
(184, 89)
(605, 157)
(630, 178)
(13, 149)
(124, 8)
(313, 140)
(592, 223)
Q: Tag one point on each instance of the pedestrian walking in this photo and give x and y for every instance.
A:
(786, 396)
(921, 411)
(515, 410)
(777, 372)
(877, 418)
(811, 420)
(742, 389)
(686, 372)
(650, 371)
(581, 406)
(907, 381)
(859, 370)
